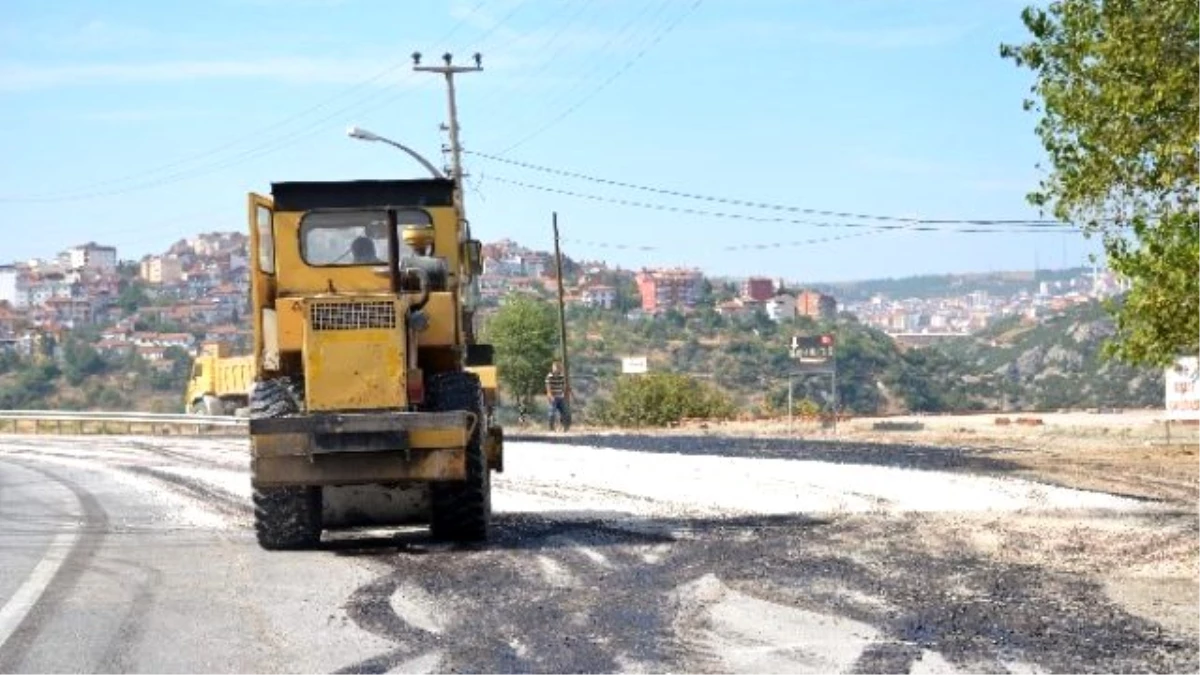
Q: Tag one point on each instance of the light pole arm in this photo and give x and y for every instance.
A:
(364, 135)
(412, 153)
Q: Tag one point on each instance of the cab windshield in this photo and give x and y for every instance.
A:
(351, 237)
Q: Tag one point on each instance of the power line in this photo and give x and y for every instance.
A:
(629, 27)
(272, 145)
(581, 7)
(254, 152)
(261, 150)
(233, 143)
(483, 36)
(731, 247)
(621, 71)
(612, 38)
(913, 226)
(1057, 225)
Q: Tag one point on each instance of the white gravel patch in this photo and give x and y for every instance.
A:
(234, 483)
(226, 452)
(416, 607)
(180, 511)
(753, 635)
(554, 573)
(587, 481)
(545, 476)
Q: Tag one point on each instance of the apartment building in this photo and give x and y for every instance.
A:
(675, 288)
(761, 289)
(162, 270)
(598, 295)
(816, 305)
(91, 256)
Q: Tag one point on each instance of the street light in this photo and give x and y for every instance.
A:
(365, 135)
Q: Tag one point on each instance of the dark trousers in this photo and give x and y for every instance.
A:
(558, 404)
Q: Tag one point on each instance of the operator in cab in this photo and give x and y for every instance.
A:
(363, 250)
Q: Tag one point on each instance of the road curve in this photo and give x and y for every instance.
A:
(144, 589)
(602, 560)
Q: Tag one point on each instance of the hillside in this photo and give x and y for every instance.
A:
(1052, 364)
(939, 285)
(1057, 363)
(749, 360)
(82, 379)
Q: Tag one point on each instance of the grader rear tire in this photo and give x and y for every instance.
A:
(275, 398)
(462, 510)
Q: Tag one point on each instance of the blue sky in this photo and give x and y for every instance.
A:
(136, 123)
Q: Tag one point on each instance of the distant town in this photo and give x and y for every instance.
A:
(197, 291)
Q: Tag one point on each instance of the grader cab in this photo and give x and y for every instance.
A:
(372, 405)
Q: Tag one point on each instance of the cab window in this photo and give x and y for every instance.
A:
(352, 237)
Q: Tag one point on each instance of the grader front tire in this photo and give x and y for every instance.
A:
(462, 510)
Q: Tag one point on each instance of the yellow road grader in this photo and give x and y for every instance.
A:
(372, 404)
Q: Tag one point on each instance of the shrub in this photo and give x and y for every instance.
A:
(661, 399)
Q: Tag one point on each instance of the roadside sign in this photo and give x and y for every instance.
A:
(1183, 392)
(633, 365)
(812, 348)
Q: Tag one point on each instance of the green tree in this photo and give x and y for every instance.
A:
(628, 296)
(1117, 92)
(175, 378)
(524, 332)
(707, 297)
(8, 361)
(80, 360)
(34, 384)
(132, 296)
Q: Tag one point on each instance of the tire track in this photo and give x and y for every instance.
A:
(211, 496)
(118, 658)
(913, 608)
(91, 536)
(137, 458)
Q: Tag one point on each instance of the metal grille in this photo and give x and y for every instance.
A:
(352, 315)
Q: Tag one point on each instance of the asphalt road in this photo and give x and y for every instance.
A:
(136, 556)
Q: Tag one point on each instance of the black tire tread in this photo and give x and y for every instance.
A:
(275, 398)
(461, 510)
(287, 517)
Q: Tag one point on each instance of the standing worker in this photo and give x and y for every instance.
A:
(556, 396)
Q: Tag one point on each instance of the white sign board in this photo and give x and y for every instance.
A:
(1183, 389)
(633, 364)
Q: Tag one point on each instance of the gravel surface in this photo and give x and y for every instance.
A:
(702, 555)
(908, 456)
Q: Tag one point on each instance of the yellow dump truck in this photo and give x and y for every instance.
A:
(220, 383)
(371, 403)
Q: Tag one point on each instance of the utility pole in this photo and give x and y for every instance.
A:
(449, 71)
(562, 309)
(791, 386)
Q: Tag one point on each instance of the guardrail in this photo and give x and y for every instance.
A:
(104, 422)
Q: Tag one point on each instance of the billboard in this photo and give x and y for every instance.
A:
(1183, 394)
(634, 365)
